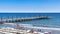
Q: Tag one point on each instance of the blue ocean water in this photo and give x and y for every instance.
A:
(54, 21)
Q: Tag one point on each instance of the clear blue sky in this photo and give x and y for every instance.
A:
(29, 5)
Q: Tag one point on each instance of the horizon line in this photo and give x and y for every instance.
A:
(29, 11)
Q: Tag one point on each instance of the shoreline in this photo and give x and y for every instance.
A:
(31, 26)
(45, 28)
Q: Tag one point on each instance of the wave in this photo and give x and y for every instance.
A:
(27, 25)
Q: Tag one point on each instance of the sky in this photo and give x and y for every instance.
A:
(30, 5)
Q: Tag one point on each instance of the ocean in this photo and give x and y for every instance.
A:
(53, 22)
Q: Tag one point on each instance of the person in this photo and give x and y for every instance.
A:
(17, 33)
(19, 27)
(39, 30)
(31, 31)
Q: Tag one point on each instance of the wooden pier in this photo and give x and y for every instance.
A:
(22, 19)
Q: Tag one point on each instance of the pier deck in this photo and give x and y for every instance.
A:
(23, 19)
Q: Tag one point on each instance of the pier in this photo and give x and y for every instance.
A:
(23, 19)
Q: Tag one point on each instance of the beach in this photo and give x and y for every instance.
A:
(27, 28)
